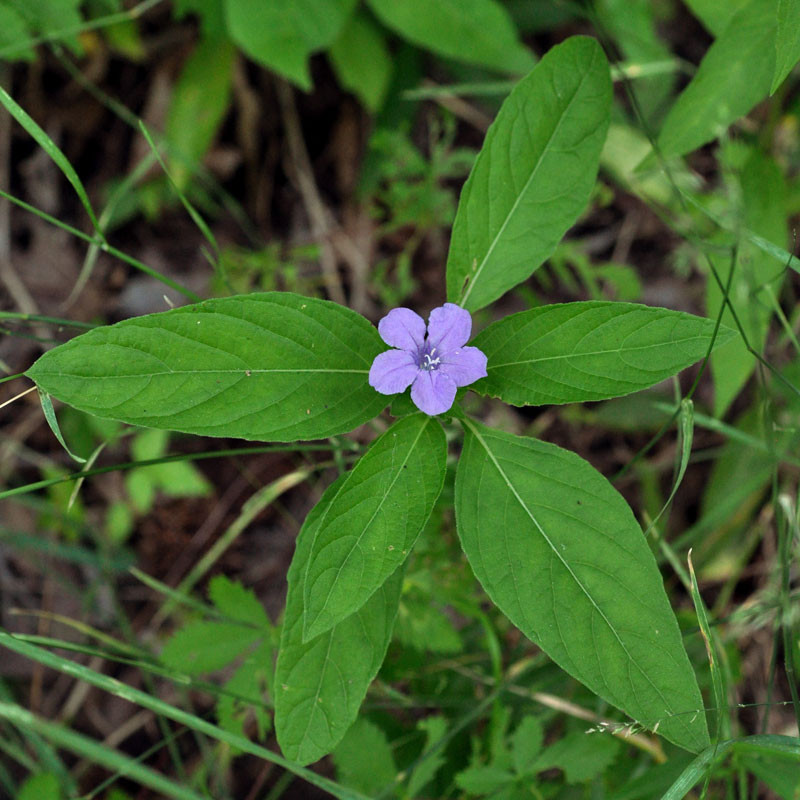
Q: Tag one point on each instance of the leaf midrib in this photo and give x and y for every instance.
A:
(243, 371)
(582, 353)
(473, 429)
(386, 494)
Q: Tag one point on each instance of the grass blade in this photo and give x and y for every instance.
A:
(97, 753)
(119, 689)
(52, 150)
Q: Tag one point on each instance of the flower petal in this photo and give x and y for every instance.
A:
(404, 329)
(465, 365)
(433, 392)
(393, 371)
(449, 328)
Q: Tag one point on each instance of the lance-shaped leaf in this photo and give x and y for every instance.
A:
(370, 527)
(533, 175)
(559, 552)
(475, 31)
(574, 352)
(282, 34)
(733, 76)
(319, 685)
(275, 366)
(787, 42)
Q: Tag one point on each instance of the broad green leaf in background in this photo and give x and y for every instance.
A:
(319, 685)
(49, 18)
(44, 786)
(774, 747)
(558, 550)
(237, 602)
(274, 366)
(787, 42)
(739, 476)
(475, 31)
(756, 281)
(484, 778)
(780, 774)
(369, 775)
(533, 175)
(715, 14)
(201, 647)
(573, 352)
(425, 627)
(582, 756)
(282, 34)
(733, 76)
(199, 103)
(624, 150)
(526, 743)
(435, 728)
(204, 646)
(174, 478)
(14, 33)
(244, 692)
(362, 61)
(368, 530)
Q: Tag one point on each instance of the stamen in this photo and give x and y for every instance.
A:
(428, 362)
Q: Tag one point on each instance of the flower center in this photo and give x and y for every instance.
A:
(427, 361)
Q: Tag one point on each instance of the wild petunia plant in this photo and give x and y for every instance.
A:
(553, 544)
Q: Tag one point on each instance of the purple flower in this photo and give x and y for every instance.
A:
(433, 365)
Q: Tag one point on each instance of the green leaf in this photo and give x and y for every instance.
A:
(362, 61)
(281, 34)
(52, 421)
(50, 18)
(273, 366)
(14, 35)
(475, 31)
(780, 746)
(787, 42)
(573, 352)
(198, 105)
(558, 550)
(533, 175)
(526, 744)
(175, 479)
(319, 685)
(425, 627)
(201, 647)
(733, 76)
(371, 525)
(482, 779)
(715, 14)
(780, 774)
(236, 602)
(40, 787)
(246, 689)
(757, 278)
(433, 758)
(582, 756)
(368, 775)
